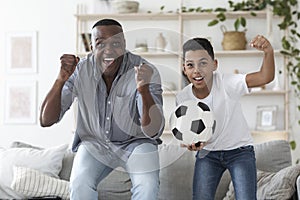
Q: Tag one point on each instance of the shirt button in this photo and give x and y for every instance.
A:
(108, 102)
(106, 132)
(107, 118)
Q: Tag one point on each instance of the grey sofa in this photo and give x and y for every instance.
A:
(177, 173)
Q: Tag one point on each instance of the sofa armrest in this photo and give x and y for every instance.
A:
(298, 187)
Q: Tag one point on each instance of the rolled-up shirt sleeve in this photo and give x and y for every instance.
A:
(156, 92)
(67, 95)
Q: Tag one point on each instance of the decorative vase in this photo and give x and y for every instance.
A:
(102, 7)
(160, 42)
(141, 45)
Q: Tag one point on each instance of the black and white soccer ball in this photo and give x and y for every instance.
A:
(192, 121)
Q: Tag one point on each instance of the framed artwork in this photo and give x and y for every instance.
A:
(266, 118)
(20, 102)
(21, 52)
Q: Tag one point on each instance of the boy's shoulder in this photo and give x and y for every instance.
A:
(184, 94)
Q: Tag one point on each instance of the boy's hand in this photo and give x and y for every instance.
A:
(261, 43)
(194, 146)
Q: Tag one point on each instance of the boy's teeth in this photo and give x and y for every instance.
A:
(198, 78)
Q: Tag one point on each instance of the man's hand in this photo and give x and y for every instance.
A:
(143, 74)
(68, 65)
(194, 146)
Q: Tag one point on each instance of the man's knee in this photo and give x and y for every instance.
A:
(145, 185)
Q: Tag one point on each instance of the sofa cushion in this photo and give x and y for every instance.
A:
(279, 185)
(273, 185)
(18, 144)
(115, 186)
(270, 156)
(67, 162)
(48, 161)
(176, 174)
(273, 156)
(33, 183)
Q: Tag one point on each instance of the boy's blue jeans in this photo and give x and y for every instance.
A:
(87, 172)
(210, 166)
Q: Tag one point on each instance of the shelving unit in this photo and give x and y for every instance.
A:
(179, 27)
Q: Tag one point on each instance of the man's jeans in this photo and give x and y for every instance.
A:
(142, 165)
(210, 166)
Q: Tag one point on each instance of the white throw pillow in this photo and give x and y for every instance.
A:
(32, 183)
(273, 185)
(48, 161)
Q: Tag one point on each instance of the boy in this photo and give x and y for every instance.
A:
(231, 146)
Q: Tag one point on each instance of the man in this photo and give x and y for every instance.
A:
(120, 116)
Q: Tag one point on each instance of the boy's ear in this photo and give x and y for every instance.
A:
(183, 69)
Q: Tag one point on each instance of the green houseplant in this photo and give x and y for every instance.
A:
(287, 11)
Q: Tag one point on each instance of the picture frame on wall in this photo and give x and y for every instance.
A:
(21, 52)
(20, 102)
(266, 118)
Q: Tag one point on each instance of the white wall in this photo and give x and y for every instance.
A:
(55, 24)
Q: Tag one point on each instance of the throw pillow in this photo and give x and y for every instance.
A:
(18, 144)
(67, 162)
(33, 183)
(230, 192)
(280, 185)
(273, 185)
(48, 161)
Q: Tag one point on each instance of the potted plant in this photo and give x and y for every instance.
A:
(236, 39)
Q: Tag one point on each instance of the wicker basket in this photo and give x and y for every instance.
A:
(234, 40)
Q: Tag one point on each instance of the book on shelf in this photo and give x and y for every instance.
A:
(86, 39)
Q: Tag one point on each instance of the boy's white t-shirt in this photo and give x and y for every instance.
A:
(231, 130)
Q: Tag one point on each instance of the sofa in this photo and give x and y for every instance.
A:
(277, 177)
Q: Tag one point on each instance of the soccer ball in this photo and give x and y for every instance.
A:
(192, 122)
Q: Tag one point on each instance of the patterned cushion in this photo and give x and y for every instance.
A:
(33, 183)
(273, 185)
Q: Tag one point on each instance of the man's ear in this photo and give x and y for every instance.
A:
(215, 65)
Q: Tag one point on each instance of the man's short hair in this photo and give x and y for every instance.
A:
(107, 22)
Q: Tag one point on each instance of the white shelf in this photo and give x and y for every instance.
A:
(130, 16)
(268, 92)
(265, 136)
(157, 54)
(229, 15)
(169, 16)
(178, 21)
(243, 53)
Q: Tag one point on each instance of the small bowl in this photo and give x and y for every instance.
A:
(126, 6)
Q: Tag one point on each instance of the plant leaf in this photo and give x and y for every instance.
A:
(243, 21)
(293, 144)
(213, 22)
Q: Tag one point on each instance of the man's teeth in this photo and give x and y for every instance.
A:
(109, 59)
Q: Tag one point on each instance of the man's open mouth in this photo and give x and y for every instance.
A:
(108, 61)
